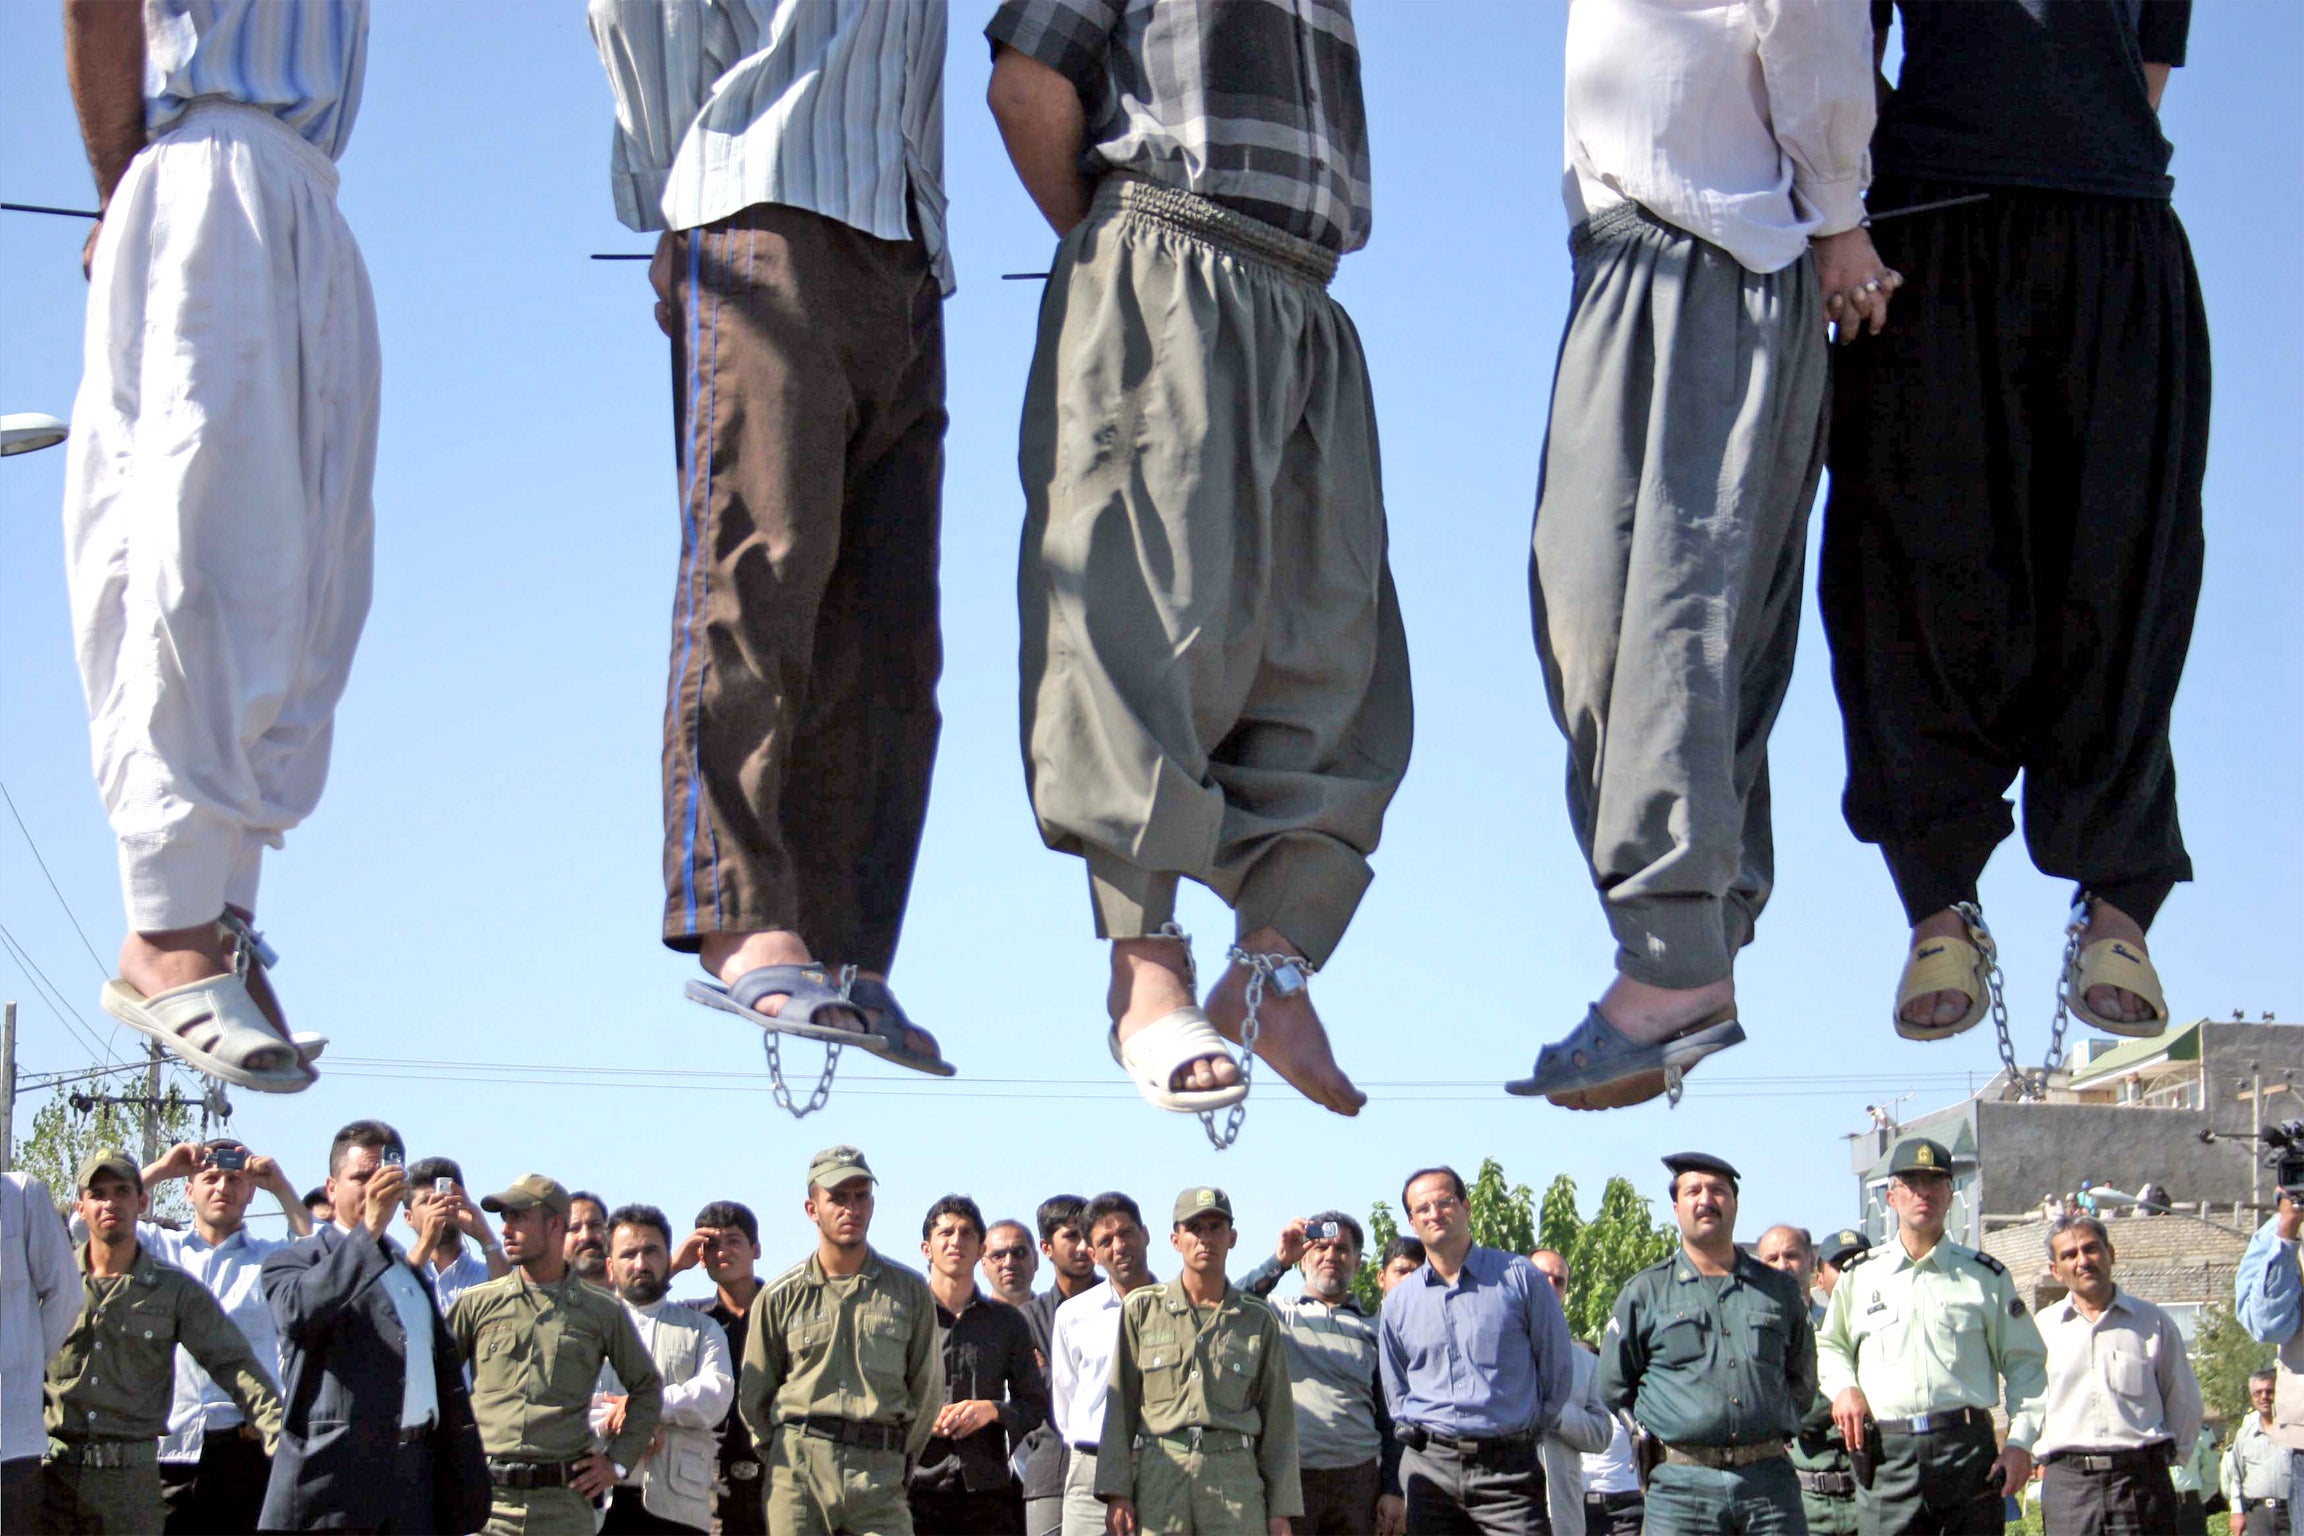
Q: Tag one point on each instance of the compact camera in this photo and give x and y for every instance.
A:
(227, 1157)
(1321, 1231)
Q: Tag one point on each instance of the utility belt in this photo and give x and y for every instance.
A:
(1199, 1437)
(88, 1451)
(1721, 1458)
(525, 1476)
(1463, 1447)
(2132, 1458)
(1828, 1485)
(850, 1432)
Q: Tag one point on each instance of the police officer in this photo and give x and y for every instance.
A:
(1712, 1352)
(536, 1339)
(1827, 1476)
(1920, 1336)
(1200, 1423)
(842, 1373)
(110, 1386)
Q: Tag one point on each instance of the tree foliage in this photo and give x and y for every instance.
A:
(2223, 1357)
(63, 1135)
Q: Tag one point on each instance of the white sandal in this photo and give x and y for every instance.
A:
(1154, 1054)
(215, 1026)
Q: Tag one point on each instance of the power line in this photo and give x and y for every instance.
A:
(53, 996)
(96, 959)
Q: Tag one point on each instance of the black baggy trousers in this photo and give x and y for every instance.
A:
(2012, 542)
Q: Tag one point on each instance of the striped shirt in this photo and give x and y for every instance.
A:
(300, 60)
(835, 106)
(1254, 104)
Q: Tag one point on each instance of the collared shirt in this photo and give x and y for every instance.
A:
(987, 1355)
(1341, 1420)
(1080, 1362)
(2117, 1383)
(39, 1303)
(1254, 104)
(2257, 1466)
(1932, 1334)
(231, 1272)
(1181, 1366)
(535, 1353)
(1710, 1360)
(835, 106)
(860, 1347)
(465, 1271)
(1613, 1470)
(419, 1390)
(113, 1376)
(1041, 1456)
(1746, 124)
(1485, 1357)
(697, 1396)
(300, 60)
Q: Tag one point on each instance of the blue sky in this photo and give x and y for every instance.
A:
(480, 884)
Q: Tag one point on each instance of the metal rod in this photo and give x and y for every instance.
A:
(1947, 202)
(623, 255)
(62, 213)
(7, 1083)
(1025, 277)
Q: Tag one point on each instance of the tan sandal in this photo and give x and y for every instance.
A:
(1947, 965)
(2116, 963)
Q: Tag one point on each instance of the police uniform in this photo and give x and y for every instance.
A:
(1827, 1476)
(1930, 1341)
(1717, 1368)
(535, 1352)
(1200, 1421)
(842, 1379)
(110, 1385)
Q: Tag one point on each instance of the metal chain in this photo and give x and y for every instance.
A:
(2073, 928)
(1285, 974)
(2033, 1083)
(1981, 936)
(823, 1090)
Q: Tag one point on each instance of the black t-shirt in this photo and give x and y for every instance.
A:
(2031, 93)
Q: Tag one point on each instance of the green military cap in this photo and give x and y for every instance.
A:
(1194, 1202)
(1918, 1154)
(835, 1166)
(527, 1192)
(1842, 1246)
(1703, 1162)
(108, 1160)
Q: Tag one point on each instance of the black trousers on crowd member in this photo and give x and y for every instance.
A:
(1933, 1484)
(1497, 1490)
(2191, 1518)
(1614, 1514)
(2012, 544)
(962, 1512)
(740, 1497)
(627, 1516)
(2128, 1494)
(1340, 1501)
(221, 1494)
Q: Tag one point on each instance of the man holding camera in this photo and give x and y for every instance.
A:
(1347, 1459)
(1917, 1341)
(2268, 1298)
(438, 1183)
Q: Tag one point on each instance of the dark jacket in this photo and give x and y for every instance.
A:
(988, 1355)
(343, 1355)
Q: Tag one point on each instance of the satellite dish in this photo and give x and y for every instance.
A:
(29, 432)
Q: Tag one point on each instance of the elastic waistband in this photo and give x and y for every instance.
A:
(237, 119)
(1236, 234)
(1615, 222)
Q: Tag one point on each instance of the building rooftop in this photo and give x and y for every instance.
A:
(2177, 1259)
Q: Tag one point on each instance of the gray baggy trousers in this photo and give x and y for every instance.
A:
(1685, 445)
(1214, 674)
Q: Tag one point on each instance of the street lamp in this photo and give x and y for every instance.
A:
(29, 432)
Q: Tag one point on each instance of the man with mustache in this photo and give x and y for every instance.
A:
(586, 1248)
(1819, 1460)
(1712, 1352)
(671, 1488)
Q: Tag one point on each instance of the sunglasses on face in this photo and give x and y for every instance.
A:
(1006, 1255)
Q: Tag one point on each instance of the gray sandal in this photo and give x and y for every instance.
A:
(806, 993)
(888, 1024)
(1596, 1054)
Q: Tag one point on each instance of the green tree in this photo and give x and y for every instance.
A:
(63, 1134)
(2223, 1357)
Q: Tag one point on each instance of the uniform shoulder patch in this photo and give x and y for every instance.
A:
(1989, 1262)
(1855, 1259)
(2015, 1306)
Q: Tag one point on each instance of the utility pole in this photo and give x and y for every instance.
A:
(152, 1062)
(8, 1084)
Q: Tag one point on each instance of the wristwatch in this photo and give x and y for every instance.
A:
(621, 1474)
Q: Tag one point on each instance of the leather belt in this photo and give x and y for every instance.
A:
(1719, 1457)
(1199, 1437)
(1464, 1447)
(82, 1451)
(850, 1432)
(1829, 1485)
(2153, 1455)
(522, 1475)
(2274, 1505)
(1084, 1447)
(1938, 1423)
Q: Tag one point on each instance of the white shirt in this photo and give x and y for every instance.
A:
(1582, 1428)
(1612, 1470)
(2257, 1466)
(40, 1295)
(459, 1275)
(697, 1401)
(1080, 1348)
(419, 1392)
(230, 1271)
(1747, 123)
(2117, 1383)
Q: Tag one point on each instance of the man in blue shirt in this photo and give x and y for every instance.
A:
(2268, 1298)
(1474, 1355)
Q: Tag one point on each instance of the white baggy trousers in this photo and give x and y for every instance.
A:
(219, 527)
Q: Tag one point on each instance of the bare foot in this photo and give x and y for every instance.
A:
(730, 955)
(2106, 921)
(1289, 1033)
(1151, 979)
(1938, 1010)
(1645, 1015)
(916, 1040)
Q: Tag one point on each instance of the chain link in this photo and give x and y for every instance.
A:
(2029, 1083)
(1285, 974)
(823, 1090)
(2073, 929)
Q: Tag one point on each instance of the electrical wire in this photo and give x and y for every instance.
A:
(95, 959)
(53, 995)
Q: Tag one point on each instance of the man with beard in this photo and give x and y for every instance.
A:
(1713, 1353)
(1009, 1264)
(996, 1390)
(452, 1268)
(667, 1491)
(842, 1374)
(1347, 1461)
(1827, 1477)
(587, 1243)
(1080, 1350)
(1064, 1243)
(727, 1243)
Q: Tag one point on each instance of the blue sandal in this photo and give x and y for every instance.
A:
(806, 991)
(888, 1025)
(1597, 1055)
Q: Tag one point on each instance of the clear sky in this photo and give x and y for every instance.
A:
(480, 883)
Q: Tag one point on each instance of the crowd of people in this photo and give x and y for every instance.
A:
(412, 1358)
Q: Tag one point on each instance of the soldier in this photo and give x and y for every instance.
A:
(110, 1386)
(1200, 1424)
(842, 1371)
(1827, 1476)
(1917, 1342)
(536, 1340)
(1712, 1352)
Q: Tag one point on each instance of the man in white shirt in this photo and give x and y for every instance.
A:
(39, 1303)
(1716, 167)
(671, 1488)
(793, 156)
(1081, 1346)
(452, 1267)
(2122, 1401)
(2258, 1469)
(1585, 1427)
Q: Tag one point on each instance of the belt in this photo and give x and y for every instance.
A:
(1465, 1447)
(1612, 1502)
(1084, 1447)
(2153, 1455)
(745, 1470)
(850, 1432)
(1198, 217)
(1722, 1456)
(1829, 1485)
(520, 1475)
(1938, 1423)
(2274, 1505)
(1199, 1437)
(82, 1451)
